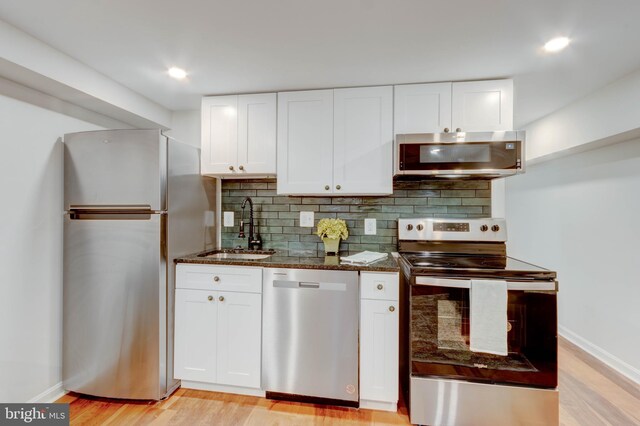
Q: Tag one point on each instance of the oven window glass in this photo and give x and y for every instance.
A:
(462, 153)
(439, 338)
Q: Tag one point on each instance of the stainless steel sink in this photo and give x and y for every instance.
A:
(239, 256)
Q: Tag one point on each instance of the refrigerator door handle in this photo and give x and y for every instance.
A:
(110, 207)
(112, 212)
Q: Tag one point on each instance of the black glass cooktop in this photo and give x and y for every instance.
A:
(480, 266)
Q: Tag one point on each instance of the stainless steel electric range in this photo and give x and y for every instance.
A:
(445, 382)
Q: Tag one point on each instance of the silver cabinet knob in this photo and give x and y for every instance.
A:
(458, 129)
(446, 130)
(231, 168)
(392, 308)
(221, 298)
(216, 278)
(241, 167)
(338, 187)
(210, 298)
(327, 187)
(380, 286)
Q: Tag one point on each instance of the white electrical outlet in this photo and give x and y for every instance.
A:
(306, 219)
(209, 218)
(228, 219)
(370, 227)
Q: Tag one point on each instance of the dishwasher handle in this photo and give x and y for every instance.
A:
(314, 285)
(295, 284)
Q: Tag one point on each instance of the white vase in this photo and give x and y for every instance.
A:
(331, 245)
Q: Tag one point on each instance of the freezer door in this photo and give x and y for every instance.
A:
(115, 168)
(114, 306)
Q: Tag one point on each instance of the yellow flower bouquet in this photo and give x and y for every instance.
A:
(331, 230)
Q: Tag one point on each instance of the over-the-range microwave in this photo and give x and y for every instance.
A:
(461, 154)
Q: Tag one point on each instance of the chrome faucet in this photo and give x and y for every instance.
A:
(254, 241)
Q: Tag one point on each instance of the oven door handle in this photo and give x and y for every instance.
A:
(511, 285)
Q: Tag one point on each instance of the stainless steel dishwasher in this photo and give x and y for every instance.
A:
(310, 335)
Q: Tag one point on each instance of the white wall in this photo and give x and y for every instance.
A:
(185, 127)
(597, 119)
(33, 63)
(31, 220)
(580, 215)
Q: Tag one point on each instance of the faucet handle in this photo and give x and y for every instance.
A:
(241, 233)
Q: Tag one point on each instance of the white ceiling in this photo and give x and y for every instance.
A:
(260, 45)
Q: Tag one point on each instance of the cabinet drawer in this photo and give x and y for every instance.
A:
(219, 277)
(380, 286)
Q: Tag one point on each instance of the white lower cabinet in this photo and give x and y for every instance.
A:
(379, 334)
(195, 337)
(217, 331)
(239, 335)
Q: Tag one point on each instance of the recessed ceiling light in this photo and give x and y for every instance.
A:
(177, 73)
(556, 44)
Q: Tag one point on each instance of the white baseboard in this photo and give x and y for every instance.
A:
(378, 405)
(222, 388)
(50, 395)
(612, 361)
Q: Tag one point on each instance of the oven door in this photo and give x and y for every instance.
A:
(489, 158)
(439, 334)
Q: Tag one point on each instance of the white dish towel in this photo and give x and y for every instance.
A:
(364, 258)
(488, 316)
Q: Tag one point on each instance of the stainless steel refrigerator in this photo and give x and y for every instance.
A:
(134, 201)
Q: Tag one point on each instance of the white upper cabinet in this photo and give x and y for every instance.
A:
(257, 133)
(422, 108)
(482, 106)
(219, 134)
(305, 142)
(239, 135)
(336, 142)
(363, 140)
(474, 106)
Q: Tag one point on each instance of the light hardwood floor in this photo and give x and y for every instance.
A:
(590, 394)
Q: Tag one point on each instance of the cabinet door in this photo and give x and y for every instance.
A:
(257, 134)
(379, 350)
(239, 339)
(422, 108)
(483, 106)
(219, 134)
(305, 142)
(195, 335)
(363, 140)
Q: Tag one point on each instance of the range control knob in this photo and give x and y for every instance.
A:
(495, 228)
(420, 227)
(484, 228)
(409, 227)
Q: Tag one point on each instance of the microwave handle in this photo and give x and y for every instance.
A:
(511, 285)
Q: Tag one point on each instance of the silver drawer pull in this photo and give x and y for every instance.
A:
(380, 286)
(210, 298)
(392, 308)
(221, 298)
(216, 278)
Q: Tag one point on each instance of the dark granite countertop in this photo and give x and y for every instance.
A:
(304, 259)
